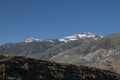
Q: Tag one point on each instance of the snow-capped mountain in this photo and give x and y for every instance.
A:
(29, 40)
(80, 36)
(68, 38)
(85, 48)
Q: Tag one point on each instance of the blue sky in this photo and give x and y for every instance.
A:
(45, 19)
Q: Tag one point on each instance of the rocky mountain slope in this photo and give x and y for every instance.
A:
(23, 68)
(105, 53)
(85, 48)
(45, 49)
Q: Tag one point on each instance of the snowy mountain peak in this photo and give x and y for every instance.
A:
(29, 40)
(86, 34)
(80, 36)
(74, 37)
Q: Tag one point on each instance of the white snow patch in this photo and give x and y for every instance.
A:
(50, 41)
(79, 36)
(29, 40)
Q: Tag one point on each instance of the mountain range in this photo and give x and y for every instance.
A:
(84, 48)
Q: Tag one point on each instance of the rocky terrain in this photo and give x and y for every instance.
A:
(45, 49)
(85, 48)
(24, 68)
(105, 54)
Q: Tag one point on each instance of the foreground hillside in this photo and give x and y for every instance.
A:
(23, 68)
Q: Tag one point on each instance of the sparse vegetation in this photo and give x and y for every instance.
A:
(22, 68)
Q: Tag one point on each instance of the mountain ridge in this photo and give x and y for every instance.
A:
(67, 38)
(101, 53)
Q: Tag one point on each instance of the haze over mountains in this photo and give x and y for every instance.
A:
(85, 48)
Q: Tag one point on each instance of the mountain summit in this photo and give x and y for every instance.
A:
(74, 37)
(80, 36)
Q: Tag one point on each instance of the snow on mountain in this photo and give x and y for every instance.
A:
(86, 34)
(49, 41)
(29, 40)
(80, 36)
(68, 38)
